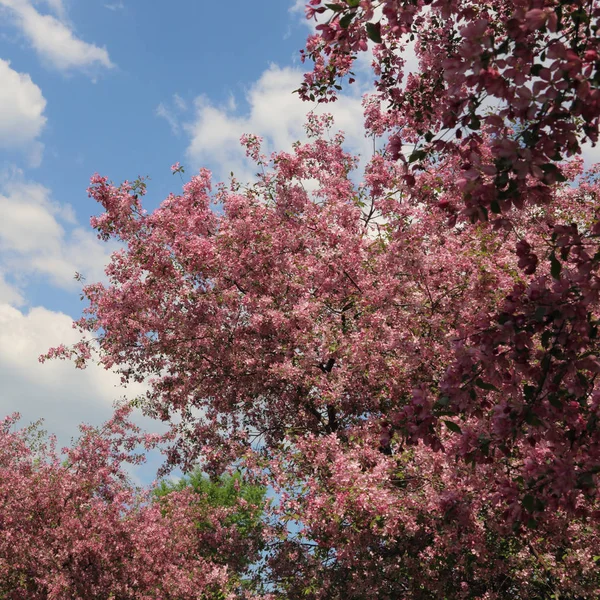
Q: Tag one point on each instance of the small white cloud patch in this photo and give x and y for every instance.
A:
(53, 40)
(115, 6)
(22, 108)
(275, 113)
(39, 237)
(164, 113)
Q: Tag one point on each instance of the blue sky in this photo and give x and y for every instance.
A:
(123, 88)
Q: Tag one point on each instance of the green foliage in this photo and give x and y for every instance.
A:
(224, 492)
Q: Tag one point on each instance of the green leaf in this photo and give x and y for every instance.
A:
(535, 70)
(353, 3)
(554, 401)
(529, 503)
(531, 418)
(586, 479)
(346, 20)
(495, 206)
(474, 123)
(334, 7)
(453, 426)
(484, 444)
(374, 32)
(552, 169)
(443, 401)
(417, 155)
(442, 407)
(555, 266)
(592, 424)
(486, 386)
(546, 338)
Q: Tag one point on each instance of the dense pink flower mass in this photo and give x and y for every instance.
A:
(364, 358)
(73, 527)
(524, 72)
(410, 362)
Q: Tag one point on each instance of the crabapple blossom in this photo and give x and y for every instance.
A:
(384, 372)
(526, 73)
(73, 526)
(407, 356)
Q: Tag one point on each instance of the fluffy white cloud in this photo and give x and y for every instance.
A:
(9, 294)
(53, 40)
(55, 391)
(274, 113)
(22, 108)
(299, 7)
(39, 236)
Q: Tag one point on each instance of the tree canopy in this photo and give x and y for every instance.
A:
(408, 355)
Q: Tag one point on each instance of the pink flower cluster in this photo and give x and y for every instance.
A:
(421, 394)
(411, 361)
(73, 526)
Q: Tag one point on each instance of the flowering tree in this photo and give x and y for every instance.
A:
(516, 91)
(72, 526)
(411, 361)
(312, 334)
(525, 73)
(417, 525)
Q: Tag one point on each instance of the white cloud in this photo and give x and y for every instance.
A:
(115, 6)
(298, 7)
(275, 113)
(22, 108)
(9, 294)
(590, 154)
(165, 113)
(53, 40)
(179, 102)
(41, 237)
(55, 390)
(171, 112)
(35, 154)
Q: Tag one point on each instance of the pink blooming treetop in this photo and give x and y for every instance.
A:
(504, 91)
(73, 526)
(416, 525)
(526, 73)
(393, 377)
